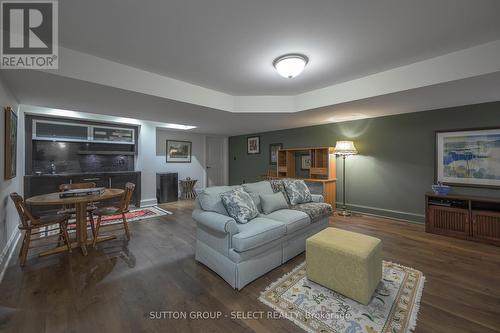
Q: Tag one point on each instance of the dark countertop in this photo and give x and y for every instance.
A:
(101, 173)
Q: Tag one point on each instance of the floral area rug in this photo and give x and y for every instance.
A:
(393, 308)
(137, 214)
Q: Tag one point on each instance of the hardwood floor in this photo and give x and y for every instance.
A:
(115, 287)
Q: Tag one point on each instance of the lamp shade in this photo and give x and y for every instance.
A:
(345, 148)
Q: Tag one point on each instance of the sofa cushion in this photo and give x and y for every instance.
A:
(239, 205)
(297, 191)
(257, 232)
(256, 200)
(272, 202)
(293, 219)
(263, 187)
(210, 199)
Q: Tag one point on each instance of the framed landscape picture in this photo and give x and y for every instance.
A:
(253, 145)
(468, 157)
(10, 144)
(178, 151)
(273, 152)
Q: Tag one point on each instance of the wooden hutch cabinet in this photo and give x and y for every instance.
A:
(320, 176)
(465, 217)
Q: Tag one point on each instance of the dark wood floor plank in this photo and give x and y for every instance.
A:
(116, 287)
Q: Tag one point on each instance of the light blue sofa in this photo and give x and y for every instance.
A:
(240, 253)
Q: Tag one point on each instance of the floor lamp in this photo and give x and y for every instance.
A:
(344, 149)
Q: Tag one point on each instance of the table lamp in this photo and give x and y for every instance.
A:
(344, 149)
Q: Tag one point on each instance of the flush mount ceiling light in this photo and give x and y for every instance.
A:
(290, 65)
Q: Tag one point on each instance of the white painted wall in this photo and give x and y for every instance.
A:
(197, 168)
(152, 159)
(8, 215)
(146, 163)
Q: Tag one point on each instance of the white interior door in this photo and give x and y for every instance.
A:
(215, 161)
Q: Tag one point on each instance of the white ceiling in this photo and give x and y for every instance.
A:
(52, 91)
(229, 45)
(189, 62)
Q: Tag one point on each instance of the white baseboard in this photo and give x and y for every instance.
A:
(7, 252)
(149, 202)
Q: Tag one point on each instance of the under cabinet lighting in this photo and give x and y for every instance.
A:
(178, 126)
(106, 118)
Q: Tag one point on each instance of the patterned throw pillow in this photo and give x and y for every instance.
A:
(239, 205)
(277, 186)
(297, 191)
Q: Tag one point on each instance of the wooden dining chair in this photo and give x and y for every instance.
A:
(122, 209)
(71, 210)
(31, 224)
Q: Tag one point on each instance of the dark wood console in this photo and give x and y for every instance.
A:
(465, 217)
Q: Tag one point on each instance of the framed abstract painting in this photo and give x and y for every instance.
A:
(468, 157)
(10, 167)
(253, 145)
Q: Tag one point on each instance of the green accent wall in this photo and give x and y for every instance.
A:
(395, 165)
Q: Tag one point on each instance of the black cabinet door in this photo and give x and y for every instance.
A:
(167, 187)
(60, 131)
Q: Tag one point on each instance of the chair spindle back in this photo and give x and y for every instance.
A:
(24, 214)
(127, 196)
(76, 186)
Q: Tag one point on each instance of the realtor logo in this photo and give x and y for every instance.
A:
(29, 38)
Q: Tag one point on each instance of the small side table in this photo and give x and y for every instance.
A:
(187, 188)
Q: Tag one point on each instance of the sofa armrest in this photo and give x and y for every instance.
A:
(215, 221)
(318, 198)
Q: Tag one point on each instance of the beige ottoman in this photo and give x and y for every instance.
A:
(344, 261)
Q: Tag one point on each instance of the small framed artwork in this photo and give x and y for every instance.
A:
(273, 152)
(178, 151)
(10, 158)
(253, 145)
(305, 162)
(468, 157)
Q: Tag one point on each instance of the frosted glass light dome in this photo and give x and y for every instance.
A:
(290, 65)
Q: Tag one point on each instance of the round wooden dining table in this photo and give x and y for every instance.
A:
(81, 215)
